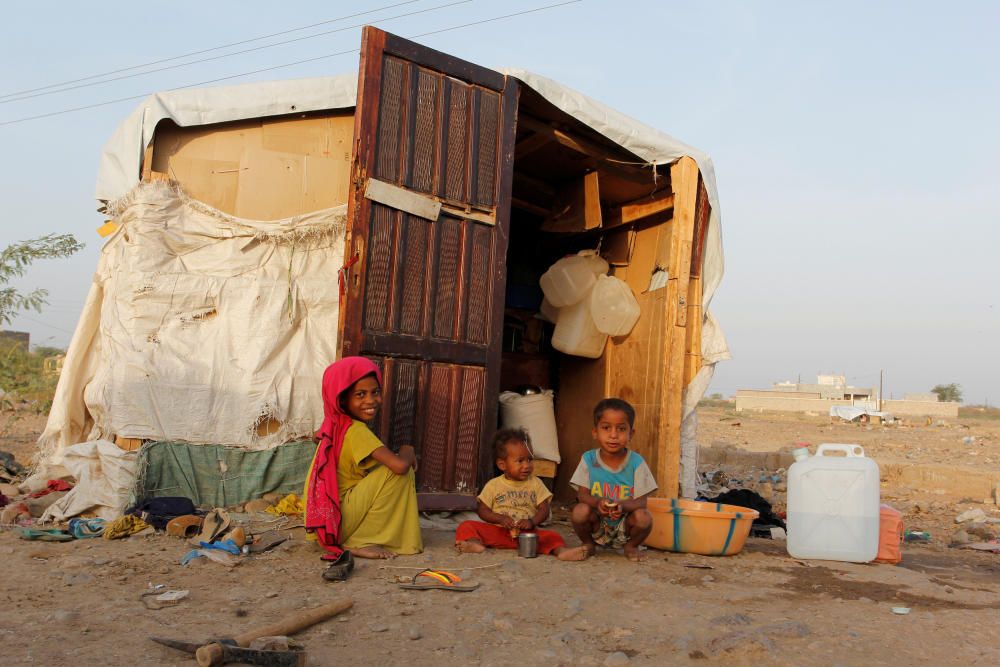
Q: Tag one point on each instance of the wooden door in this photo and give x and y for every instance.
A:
(425, 296)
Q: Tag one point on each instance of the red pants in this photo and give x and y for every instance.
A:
(499, 537)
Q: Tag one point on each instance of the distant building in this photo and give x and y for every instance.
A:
(831, 390)
(22, 338)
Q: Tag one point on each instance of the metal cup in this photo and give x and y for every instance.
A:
(527, 545)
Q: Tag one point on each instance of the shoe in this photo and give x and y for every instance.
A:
(341, 568)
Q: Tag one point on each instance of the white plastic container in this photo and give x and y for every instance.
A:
(833, 505)
(613, 306)
(576, 334)
(548, 312)
(569, 280)
(536, 414)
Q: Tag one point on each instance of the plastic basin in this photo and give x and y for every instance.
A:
(688, 526)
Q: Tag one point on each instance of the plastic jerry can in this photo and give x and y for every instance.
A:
(569, 280)
(890, 535)
(833, 505)
(613, 306)
(576, 334)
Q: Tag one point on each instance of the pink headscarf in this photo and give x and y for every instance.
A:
(323, 503)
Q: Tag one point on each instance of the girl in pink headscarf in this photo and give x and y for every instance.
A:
(359, 494)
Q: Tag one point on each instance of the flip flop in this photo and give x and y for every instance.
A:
(53, 535)
(214, 524)
(439, 580)
(268, 540)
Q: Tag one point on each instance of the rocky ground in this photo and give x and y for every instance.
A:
(81, 601)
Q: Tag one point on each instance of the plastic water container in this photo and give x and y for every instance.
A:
(833, 505)
(569, 280)
(613, 306)
(576, 334)
(548, 312)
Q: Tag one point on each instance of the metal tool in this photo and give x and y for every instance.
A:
(234, 649)
(233, 653)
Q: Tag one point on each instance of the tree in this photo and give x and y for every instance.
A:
(14, 262)
(948, 392)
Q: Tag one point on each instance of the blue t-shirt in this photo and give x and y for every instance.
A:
(633, 479)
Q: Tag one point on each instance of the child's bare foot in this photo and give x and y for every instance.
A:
(633, 554)
(373, 551)
(591, 548)
(572, 553)
(470, 547)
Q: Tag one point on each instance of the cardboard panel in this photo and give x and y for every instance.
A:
(260, 169)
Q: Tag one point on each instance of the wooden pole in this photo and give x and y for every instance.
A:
(674, 253)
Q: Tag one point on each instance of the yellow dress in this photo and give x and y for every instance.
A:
(378, 507)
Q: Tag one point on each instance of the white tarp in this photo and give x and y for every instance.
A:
(104, 477)
(201, 326)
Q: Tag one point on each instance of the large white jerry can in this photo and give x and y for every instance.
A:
(833, 505)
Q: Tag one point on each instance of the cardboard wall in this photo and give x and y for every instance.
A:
(262, 169)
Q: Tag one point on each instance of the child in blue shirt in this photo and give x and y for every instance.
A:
(612, 484)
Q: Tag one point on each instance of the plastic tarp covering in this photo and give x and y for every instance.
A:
(105, 475)
(202, 328)
(852, 412)
(217, 476)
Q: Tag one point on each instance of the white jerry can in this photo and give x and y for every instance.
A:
(833, 505)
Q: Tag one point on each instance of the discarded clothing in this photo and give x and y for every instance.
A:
(229, 546)
(158, 512)
(751, 500)
(52, 485)
(124, 526)
(215, 555)
(8, 463)
(45, 535)
(290, 505)
(82, 528)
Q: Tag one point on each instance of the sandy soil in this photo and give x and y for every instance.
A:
(81, 600)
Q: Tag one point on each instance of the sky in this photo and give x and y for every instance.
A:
(854, 145)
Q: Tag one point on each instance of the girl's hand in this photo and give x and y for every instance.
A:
(409, 454)
(507, 522)
(525, 525)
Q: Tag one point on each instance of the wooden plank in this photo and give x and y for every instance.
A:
(633, 211)
(525, 205)
(445, 502)
(617, 248)
(543, 468)
(529, 145)
(128, 444)
(675, 252)
(692, 344)
(581, 386)
(607, 159)
(415, 203)
(577, 207)
(481, 217)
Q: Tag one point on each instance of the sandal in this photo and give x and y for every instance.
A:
(268, 540)
(439, 580)
(212, 526)
(341, 568)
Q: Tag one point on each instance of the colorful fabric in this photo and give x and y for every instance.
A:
(81, 528)
(323, 502)
(381, 510)
(356, 460)
(290, 505)
(499, 537)
(516, 499)
(124, 526)
(632, 480)
(611, 533)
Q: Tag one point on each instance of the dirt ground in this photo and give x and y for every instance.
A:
(80, 601)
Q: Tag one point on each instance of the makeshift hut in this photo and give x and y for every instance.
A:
(257, 232)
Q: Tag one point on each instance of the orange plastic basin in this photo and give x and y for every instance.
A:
(688, 526)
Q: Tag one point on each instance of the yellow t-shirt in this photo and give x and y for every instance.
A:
(355, 458)
(518, 500)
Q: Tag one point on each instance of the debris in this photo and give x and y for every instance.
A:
(901, 611)
(971, 515)
(993, 546)
(616, 658)
(259, 505)
(272, 643)
(414, 632)
(154, 599)
(916, 536)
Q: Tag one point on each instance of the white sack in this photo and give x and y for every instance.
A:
(536, 414)
(104, 476)
(202, 325)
